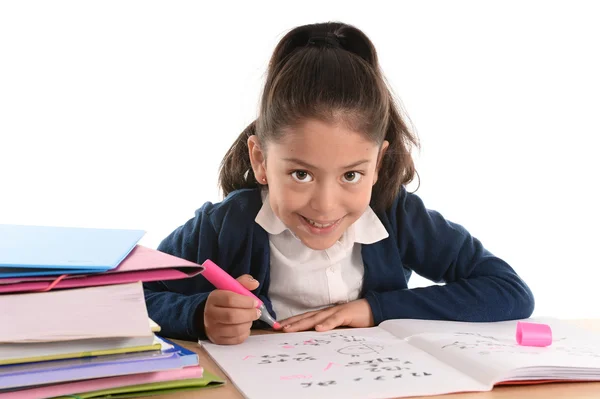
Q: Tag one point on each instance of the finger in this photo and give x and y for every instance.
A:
(232, 330)
(248, 282)
(307, 323)
(231, 340)
(228, 299)
(232, 316)
(295, 319)
(335, 320)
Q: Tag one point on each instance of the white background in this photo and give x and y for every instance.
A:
(107, 109)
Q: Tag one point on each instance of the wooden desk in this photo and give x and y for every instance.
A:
(587, 390)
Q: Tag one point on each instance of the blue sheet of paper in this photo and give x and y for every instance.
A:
(50, 250)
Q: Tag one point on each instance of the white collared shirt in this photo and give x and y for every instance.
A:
(304, 279)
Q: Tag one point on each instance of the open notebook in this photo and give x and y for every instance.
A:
(402, 358)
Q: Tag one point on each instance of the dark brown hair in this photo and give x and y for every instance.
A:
(327, 71)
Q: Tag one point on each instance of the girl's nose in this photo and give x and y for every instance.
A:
(323, 200)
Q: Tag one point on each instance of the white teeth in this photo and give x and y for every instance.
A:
(319, 225)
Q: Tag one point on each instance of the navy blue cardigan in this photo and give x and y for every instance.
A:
(478, 285)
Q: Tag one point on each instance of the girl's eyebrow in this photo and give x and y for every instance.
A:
(309, 166)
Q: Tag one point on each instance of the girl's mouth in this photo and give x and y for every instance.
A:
(320, 227)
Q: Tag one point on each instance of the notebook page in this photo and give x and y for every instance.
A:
(404, 328)
(490, 352)
(94, 312)
(345, 363)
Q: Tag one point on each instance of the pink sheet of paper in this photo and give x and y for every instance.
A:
(142, 264)
(104, 383)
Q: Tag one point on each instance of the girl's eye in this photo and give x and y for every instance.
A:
(301, 176)
(352, 177)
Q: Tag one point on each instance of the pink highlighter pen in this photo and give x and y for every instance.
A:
(223, 281)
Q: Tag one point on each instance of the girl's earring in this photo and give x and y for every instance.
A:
(264, 180)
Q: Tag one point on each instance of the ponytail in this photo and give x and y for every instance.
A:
(236, 170)
(397, 166)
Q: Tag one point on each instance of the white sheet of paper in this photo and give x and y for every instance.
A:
(356, 363)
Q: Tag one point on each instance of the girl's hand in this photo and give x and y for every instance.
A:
(228, 316)
(352, 314)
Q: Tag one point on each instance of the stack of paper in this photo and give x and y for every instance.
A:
(74, 318)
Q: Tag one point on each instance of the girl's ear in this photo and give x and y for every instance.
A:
(257, 159)
(384, 147)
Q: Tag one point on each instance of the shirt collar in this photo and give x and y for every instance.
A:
(368, 229)
(267, 219)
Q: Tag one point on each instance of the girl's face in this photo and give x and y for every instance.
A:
(320, 178)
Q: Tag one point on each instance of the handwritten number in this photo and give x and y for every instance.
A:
(301, 359)
(424, 374)
(266, 357)
(321, 384)
(326, 383)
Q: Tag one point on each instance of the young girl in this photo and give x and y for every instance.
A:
(316, 219)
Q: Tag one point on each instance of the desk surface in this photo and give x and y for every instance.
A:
(546, 391)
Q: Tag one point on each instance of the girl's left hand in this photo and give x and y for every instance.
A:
(352, 314)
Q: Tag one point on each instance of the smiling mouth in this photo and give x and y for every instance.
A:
(320, 225)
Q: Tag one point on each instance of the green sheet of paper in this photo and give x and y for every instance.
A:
(208, 380)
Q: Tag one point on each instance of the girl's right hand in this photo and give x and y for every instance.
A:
(228, 316)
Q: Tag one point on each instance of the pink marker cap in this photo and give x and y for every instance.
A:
(533, 334)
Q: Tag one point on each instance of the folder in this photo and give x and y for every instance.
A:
(19, 353)
(58, 371)
(142, 264)
(111, 311)
(132, 385)
(50, 250)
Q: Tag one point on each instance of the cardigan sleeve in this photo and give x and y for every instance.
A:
(178, 305)
(476, 285)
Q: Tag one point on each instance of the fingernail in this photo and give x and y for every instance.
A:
(255, 303)
(258, 313)
(251, 278)
(287, 326)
